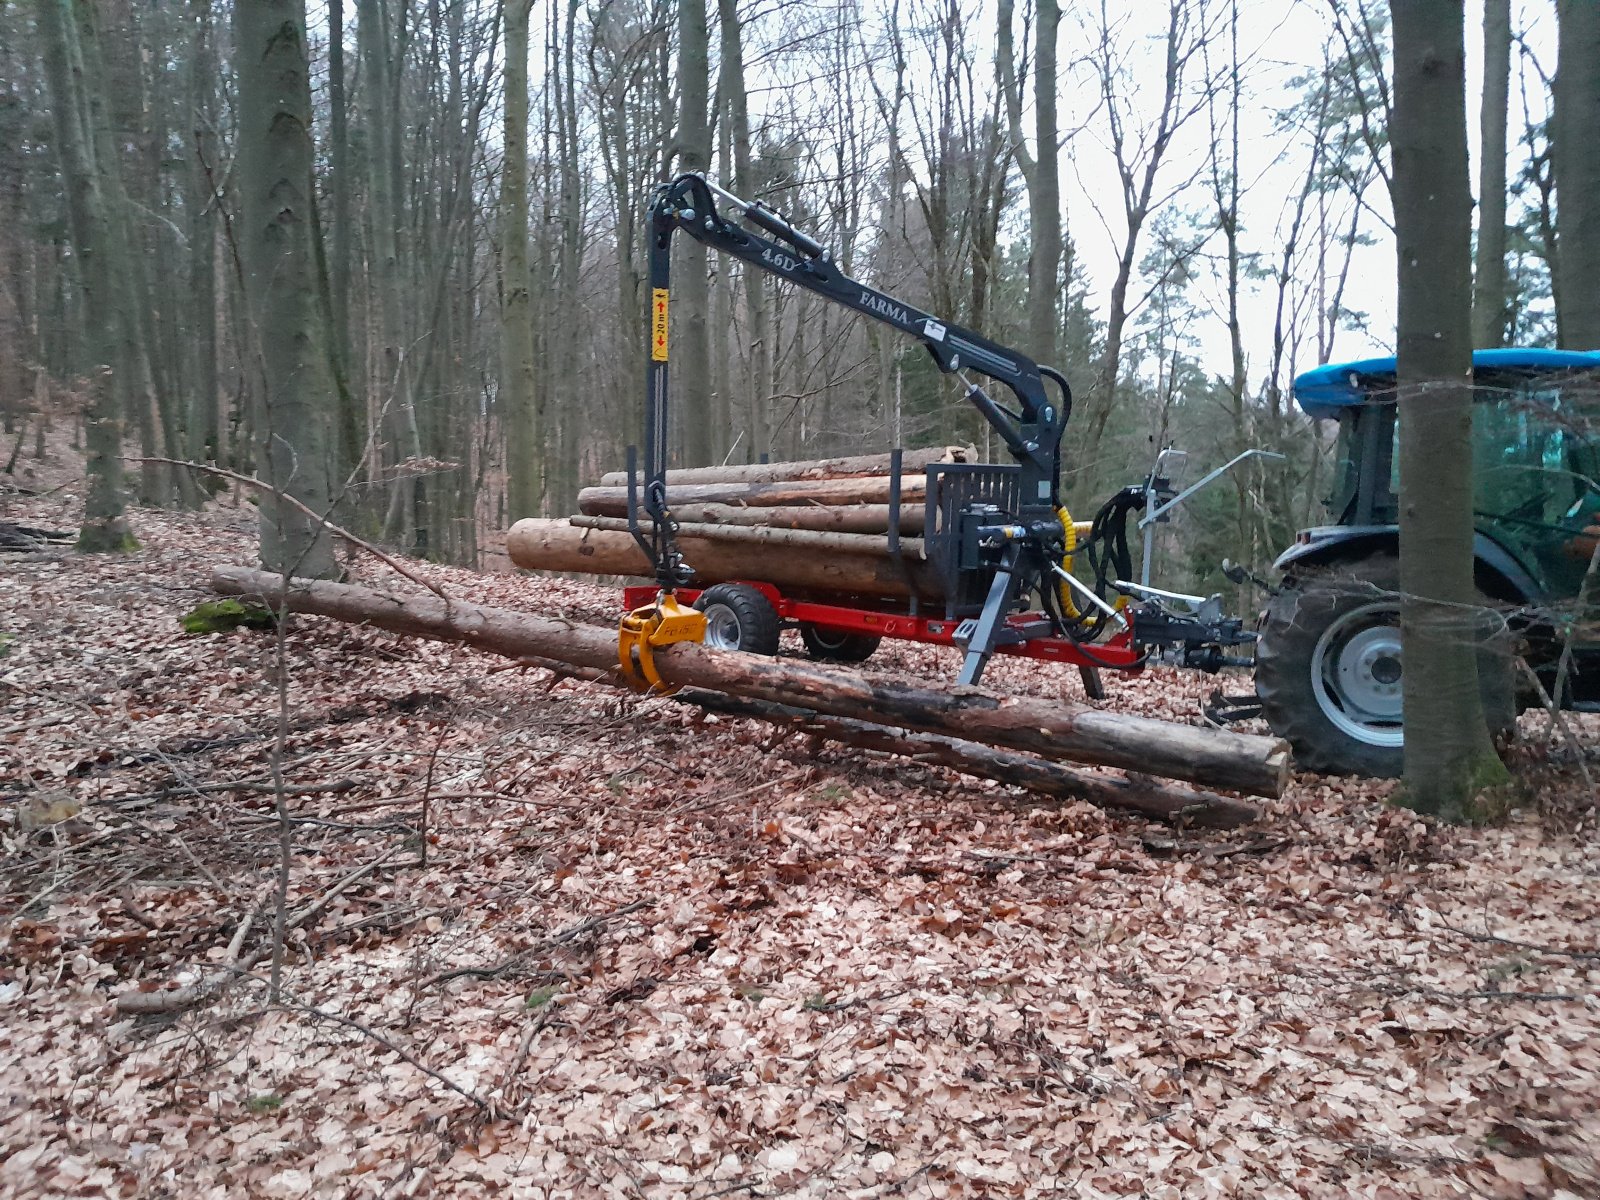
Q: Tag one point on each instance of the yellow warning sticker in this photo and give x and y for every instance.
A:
(658, 324)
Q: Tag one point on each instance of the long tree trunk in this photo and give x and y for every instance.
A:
(524, 451)
(204, 421)
(691, 351)
(1448, 753)
(1051, 728)
(1577, 164)
(103, 526)
(276, 157)
(744, 184)
(1489, 280)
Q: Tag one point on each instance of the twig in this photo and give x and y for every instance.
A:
(565, 935)
(261, 485)
(1587, 955)
(405, 1054)
(239, 935)
(313, 911)
(231, 785)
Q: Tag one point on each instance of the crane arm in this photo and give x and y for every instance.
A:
(690, 204)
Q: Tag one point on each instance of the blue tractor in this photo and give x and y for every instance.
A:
(1328, 662)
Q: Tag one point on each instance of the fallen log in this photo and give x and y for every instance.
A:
(834, 518)
(1053, 729)
(1140, 794)
(911, 461)
(543, 544)
(747, 535)
(874, 489)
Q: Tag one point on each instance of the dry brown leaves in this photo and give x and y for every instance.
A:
(849, 976)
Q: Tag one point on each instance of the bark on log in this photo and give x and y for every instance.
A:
(835, 518)
(613, 501)
(911, 461)
(1140, 794)
(541, 544)
(745, 535)
(1053, 729)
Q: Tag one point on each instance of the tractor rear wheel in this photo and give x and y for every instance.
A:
(1329, 671)
(739, 617)
(835, 645)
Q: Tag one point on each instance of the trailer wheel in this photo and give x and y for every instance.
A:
(739, 617)
(835, 645)
(1328, 670)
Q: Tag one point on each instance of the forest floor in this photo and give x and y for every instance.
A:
(550, 937)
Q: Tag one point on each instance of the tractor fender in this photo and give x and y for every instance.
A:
(1495, 570)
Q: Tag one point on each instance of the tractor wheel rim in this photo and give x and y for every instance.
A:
(1357, 677)
(828, 639)
(722, 628)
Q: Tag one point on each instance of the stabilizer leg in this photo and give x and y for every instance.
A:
(1002, 593)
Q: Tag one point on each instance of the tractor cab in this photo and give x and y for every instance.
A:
(1328, 665)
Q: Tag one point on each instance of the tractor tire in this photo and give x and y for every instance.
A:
(1328, 670)
(739, 617)
(834, 645)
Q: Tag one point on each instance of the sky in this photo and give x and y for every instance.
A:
(1282, 38)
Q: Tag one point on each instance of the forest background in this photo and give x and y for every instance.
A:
(1215, 219)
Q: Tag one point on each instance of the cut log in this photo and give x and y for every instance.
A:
(613, 501)
(836, 518)
(816, 468)
(1052, 729)
(1140, 794)
(747, 535)
(542, 544)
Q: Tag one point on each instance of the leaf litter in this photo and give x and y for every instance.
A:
(552, 938)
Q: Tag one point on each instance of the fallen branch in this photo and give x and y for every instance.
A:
(1052, 729)
(556, 939)
(321, 519)
(1136, 793)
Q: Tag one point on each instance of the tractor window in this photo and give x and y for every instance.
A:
(1529, 465)
(1536, 483)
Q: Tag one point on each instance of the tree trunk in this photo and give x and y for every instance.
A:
(855, 466)
(1051, 728)
(744, 184)
(691, 350)
(1448, 753)
(541, 544)
(1489, 281)
(524, 452)
(295, 400)
(1577, 161)
(613, 502)
(103, 526)
(203, 435)
(820, 541)
(1138, 793)
(843, 518)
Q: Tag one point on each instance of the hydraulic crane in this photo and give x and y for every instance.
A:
(1017, 547)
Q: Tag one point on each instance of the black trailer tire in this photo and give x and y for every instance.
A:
(739, 617)
(835, 645)
(1328, 670)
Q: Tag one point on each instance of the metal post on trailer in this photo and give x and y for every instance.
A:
(1155, 512)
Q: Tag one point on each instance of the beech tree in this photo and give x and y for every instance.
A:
(93, 244)
(1489, 276)
(518, 403)
(288, 344)
(1577, 171)
(1448, 752)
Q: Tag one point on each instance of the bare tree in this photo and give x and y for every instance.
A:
(275, 184)
(1448, 754)
(1577, 171)
(1489, 277)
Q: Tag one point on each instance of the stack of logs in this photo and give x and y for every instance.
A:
(818, 525)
